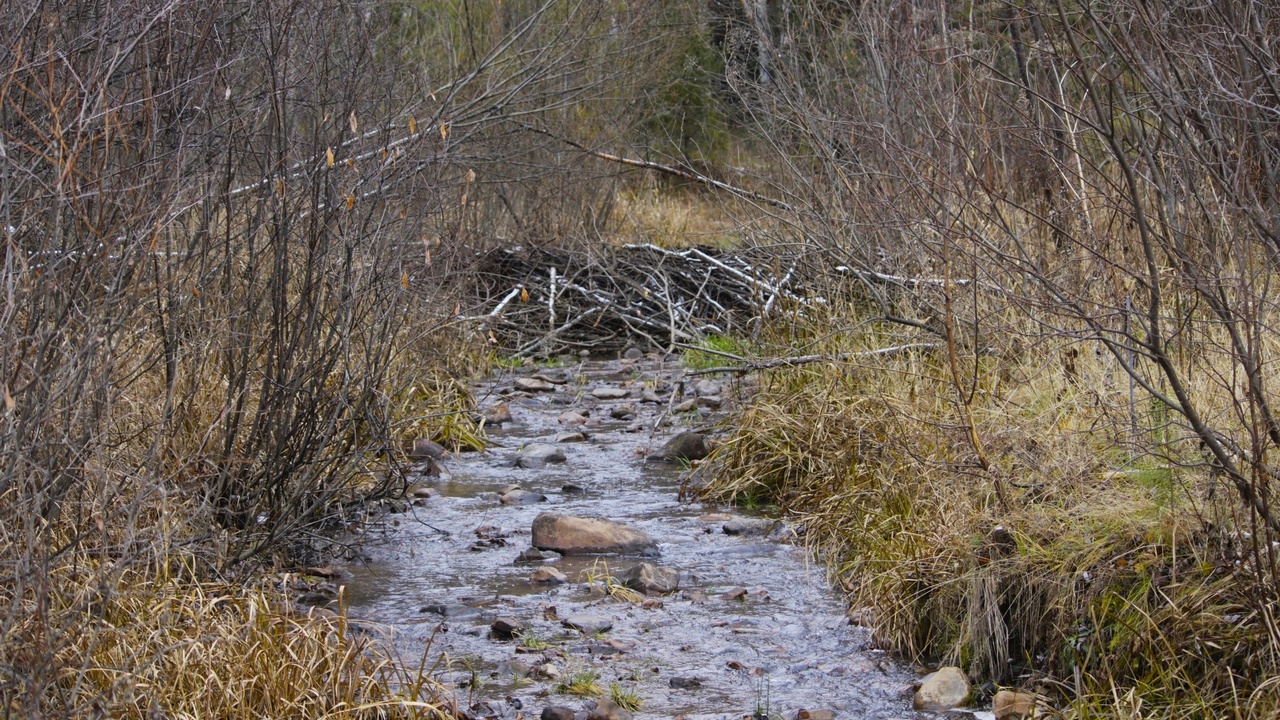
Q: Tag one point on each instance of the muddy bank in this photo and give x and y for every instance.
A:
(752, 626)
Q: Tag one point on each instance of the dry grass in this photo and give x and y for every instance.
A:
(162, 643)
(1109, 590)
(673, 218)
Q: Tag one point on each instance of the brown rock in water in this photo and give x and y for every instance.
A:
(1010, 705)
(572, 417)
(557, 712)
(570, 535)
(534, 384)
(942, 690)
(608, 710)
(548, 576)
(506, 628)
(686, 446)
(610, 393)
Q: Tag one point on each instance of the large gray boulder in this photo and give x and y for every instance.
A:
(570, 535)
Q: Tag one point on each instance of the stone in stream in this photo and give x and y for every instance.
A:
(548, 576)
(536, 455)
(533, 555)
(534, 384)
(520, 496)
(506, 629)
(557, 712)
(649, 396)
(649, 578)
(606, 709)
(572, 417)
(571, 437)
(686, 406)
(588, 624)
(942, 690)
(1010, 705)
(633, 353)
(454, 610)
(747, 526)
(424, 493)
(623, 412)
(685, 446)
(570, 535)
(706, 387)
(685, 683)
(610, 393)
(822, 714)
(710, 402)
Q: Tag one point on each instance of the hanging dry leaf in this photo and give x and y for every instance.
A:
(9, 402)
(351, 121)
(471, 176)
(195, 292)
(428, 257)
(404, 280)
(524, 295)
(464, 199)
(413, 126)
(351, 201)
(444, 131)
(328, 157)
(492, 339)
(280, 186)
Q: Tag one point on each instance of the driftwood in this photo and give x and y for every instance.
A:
(746, 366)
(540, 301)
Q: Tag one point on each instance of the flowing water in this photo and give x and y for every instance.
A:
(707, 651)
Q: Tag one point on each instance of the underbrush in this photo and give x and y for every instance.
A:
(162, 642)
(1116, 581)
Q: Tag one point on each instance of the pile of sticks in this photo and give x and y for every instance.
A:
(537, 301)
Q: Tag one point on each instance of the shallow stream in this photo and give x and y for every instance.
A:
(447, 569)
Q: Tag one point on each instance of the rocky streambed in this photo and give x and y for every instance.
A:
(724, 616)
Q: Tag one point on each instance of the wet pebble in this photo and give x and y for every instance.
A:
(588, 624)
(548, 576)
(536, 455)
(534, 384)
(747, 526)
(506, 628)
(522, 497)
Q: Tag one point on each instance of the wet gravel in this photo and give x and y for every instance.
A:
(753, 627)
